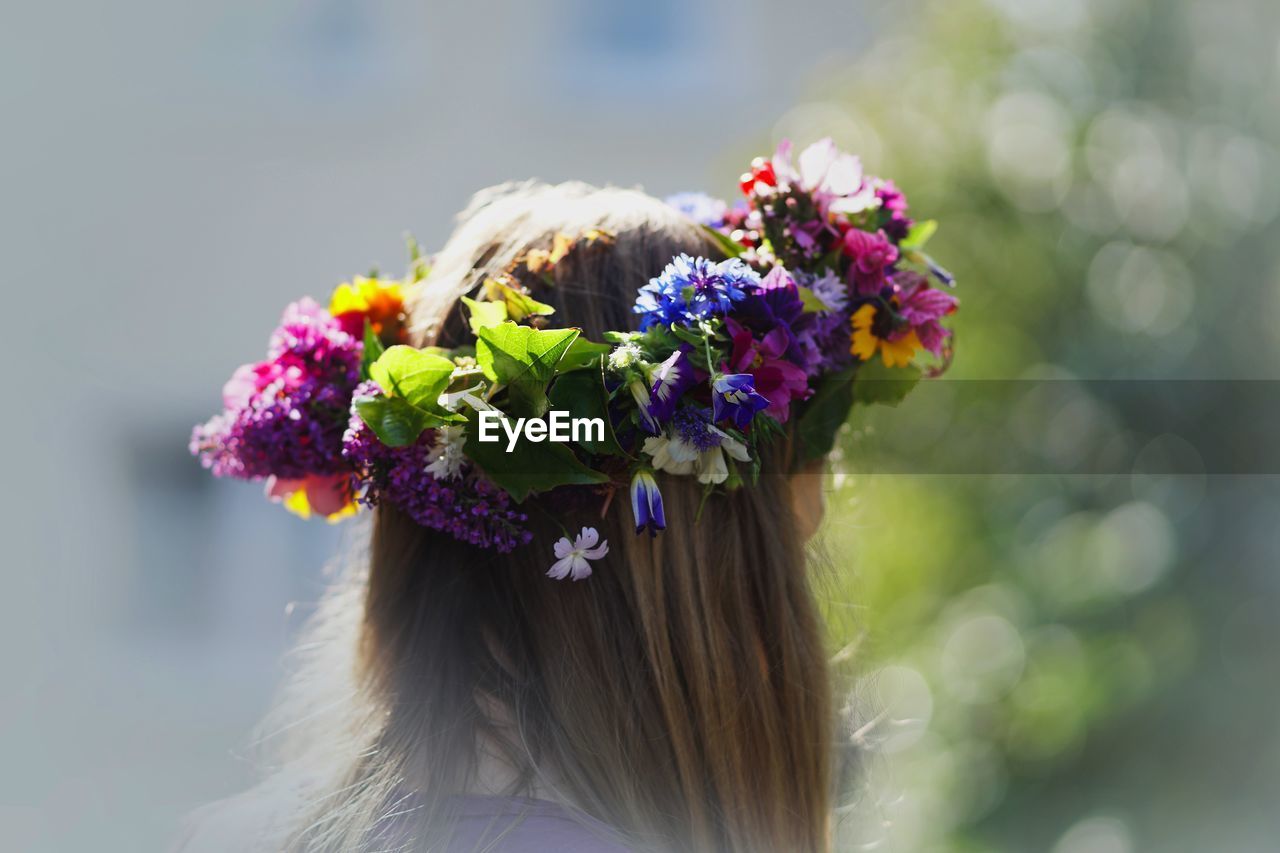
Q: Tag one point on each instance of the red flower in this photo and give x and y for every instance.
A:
(761, 173)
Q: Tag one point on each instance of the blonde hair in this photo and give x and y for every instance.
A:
(680, 695)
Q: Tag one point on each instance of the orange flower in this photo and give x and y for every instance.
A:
(380, 302)
(894, 352)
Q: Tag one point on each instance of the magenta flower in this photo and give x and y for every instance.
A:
(871, 256)
(777, 380)
(572, 558)
(284, 417)
(922, 307)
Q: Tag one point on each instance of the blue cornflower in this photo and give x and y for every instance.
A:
(692, 289)
(700, 207)
(646, 503)
(734, 398)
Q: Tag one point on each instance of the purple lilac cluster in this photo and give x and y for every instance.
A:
(284, 417)
(470, 509)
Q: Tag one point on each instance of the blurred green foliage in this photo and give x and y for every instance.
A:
(1066, 662)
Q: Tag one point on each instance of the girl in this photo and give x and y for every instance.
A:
(453, 697)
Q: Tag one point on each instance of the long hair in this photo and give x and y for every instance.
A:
(680, 695)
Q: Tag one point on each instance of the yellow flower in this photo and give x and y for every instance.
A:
(894, 353)
(382, 302)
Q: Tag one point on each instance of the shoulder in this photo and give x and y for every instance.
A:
(521, 825)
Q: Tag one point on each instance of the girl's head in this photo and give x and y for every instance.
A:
(680, 693)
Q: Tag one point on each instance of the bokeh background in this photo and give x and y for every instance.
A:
(1074, 650)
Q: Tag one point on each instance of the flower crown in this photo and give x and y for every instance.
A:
(826, 299)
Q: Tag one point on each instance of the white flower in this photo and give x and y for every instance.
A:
(624, 356)
(834, 177)
(445, 459)
(572, 557)
(677, 455)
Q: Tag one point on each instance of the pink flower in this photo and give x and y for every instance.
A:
(871, 255)
(572, 557)
(833, 177)
(249, 380)
(922, 307)
(776, 379)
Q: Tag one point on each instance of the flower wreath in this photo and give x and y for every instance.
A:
(826, 282)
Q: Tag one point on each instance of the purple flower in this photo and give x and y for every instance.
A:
(284, 417)
(824, 342)
(646, 503)
(670, 380)
(692, 289)
(829, 289)
(693, 445)
(468, 507)
(893, 207)
(776, 305)
(572, 557)
(777, 378)
(700, 207)
(734, 398)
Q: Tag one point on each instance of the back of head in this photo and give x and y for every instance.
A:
(679, 696)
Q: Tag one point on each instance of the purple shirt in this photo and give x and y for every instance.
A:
(521, 825)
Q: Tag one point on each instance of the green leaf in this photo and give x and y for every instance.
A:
(419, 377)
(919, 234)
(482, 314)
(812, 304)
(395, 421)
(582, 353)
(519, 305)
(582, 394)
(530, 467)
(731, 248)
(373, 349)
(823, 414)
(876, 383)
(524, 360)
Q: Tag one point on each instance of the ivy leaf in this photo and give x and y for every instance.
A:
(876, 383)
(582, 353)
(823, 414)
(483, 314)
(919, 234)
(373, 350)
(394, 420)
(530, 467)
(524, 360)
(412, 381)
(582, 394)
(731, 248)
(419, 377)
